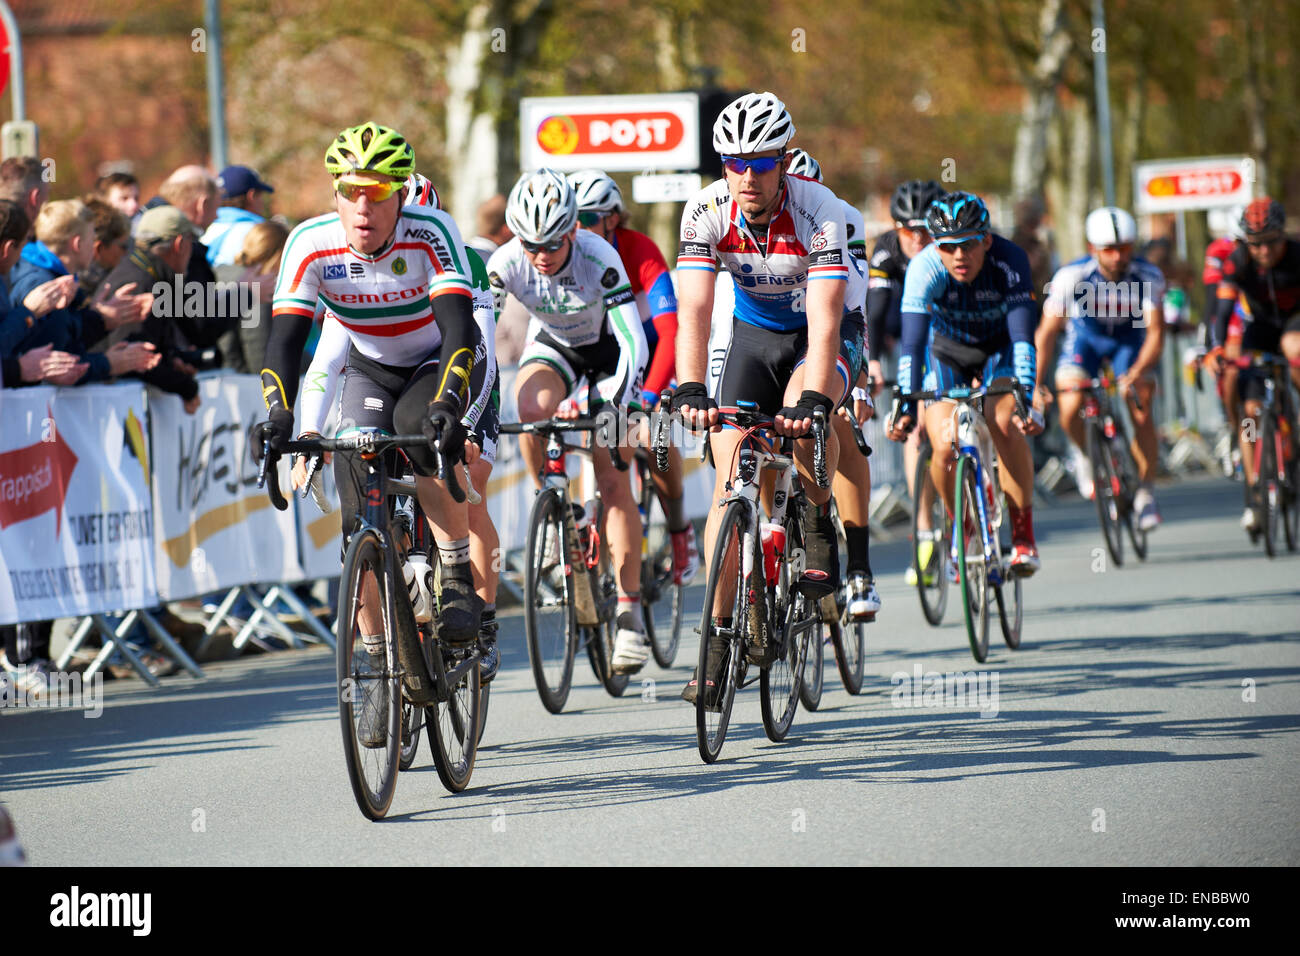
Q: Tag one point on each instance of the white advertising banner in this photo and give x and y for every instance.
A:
(638, 132)
(1170, 185)
(215, 528)
(76, 520)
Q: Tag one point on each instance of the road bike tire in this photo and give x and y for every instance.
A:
(970, 559)
(550, 616)
(713, 717)
(1127, 469)
(371, 771)
(814, 677)
(934, 597)
(657, 584)
(412, 721)
(484, 698)
(1289, 498)
(849, 639)
(1104, 483)
(1267, 486)
(600, 651)
(453, 728)
(1010, 610)
(780, 681)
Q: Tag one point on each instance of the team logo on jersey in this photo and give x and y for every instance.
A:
(494, 279)
(399, 266)
(356, 270)
(688, 231)
(335, 272)
(819, 242)
(610, 278)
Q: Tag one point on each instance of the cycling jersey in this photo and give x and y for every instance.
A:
(855, 234)
(804, 241)
(655, 299)
(1099, 306)
(983, 315)
(589, 295)
(885, 271)
(1269, 299)
(1216, 253)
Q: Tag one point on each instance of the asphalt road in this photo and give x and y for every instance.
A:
(1152, 716)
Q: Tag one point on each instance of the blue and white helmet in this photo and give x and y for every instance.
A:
(956, 217)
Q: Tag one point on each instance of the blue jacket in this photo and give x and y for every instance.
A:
(73, 329)
(225, 237)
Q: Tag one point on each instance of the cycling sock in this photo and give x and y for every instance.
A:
(674, 509)
(454, 552)
(723, 622)
(859, 544)
(629, 612)
(1022, 524)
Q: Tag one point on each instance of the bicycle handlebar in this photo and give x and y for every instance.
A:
(548, 426)
(962, 393)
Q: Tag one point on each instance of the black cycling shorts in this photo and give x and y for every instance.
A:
(759, 363)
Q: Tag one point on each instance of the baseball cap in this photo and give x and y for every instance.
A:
(162, 224)
(237, 180)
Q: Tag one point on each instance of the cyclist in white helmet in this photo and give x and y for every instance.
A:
(600, 210)
(583, 324)
(783, 240)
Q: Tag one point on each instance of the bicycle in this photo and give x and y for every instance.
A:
(439, 678)
(657, 568)
(1114, 472)
(569, 583)
(1276, 459)
(931, 569)
(983, 561)
(772, 623)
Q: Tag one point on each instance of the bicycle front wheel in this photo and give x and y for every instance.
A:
(550, 619)
(454, 724)
(600, 651)
(850, 641)
(369, 695)
(1267, 484)
(1010, 613)
(780, 681)
(1290, 503)
(971, 565)
(929, 553)
(721, 649)
(412, 721)
(657, 586)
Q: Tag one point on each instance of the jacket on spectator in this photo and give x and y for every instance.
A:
(225, 237)
(144, 269)
(15, 322)
(73, 329)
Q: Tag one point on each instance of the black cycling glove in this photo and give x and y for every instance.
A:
(443, 426)
(278, 429)
(692, 395)
(808, 403)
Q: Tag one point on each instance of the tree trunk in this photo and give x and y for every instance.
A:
(675, 58)
(1253, 96)
(1079, 179)
(472, 149)
(1029, 161)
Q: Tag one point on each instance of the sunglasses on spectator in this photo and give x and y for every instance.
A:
(591, 218)
(738, 166)
(375, 192)
(536, 247)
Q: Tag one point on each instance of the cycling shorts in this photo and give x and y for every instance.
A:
(759, 363)
(1083, 352)
(597, 363)
(954, 364)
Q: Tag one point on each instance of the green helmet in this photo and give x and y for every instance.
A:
(370, 148)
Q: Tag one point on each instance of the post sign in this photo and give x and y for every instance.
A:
(1171, 185)
(639, 132)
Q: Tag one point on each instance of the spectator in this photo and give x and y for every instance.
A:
(243, 205)
(22, 180)
(164, 242)
(112, 242)
(122, 192)
(1028, 222)
(258, 264)
(42, 363)
(492, 229)
(194, 191)
(65, 243)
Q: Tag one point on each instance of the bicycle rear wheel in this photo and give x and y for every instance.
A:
(713, 707)
(932, 578)
(1290, 504)
(810, 688)
(454, 724)
(850, 641)
(600, 651)
(967, 528)
(1010, 612)
(550, 618)
(1267, 485)
(412, 722)
(780, 681)
(1130, 484)
(368, 690)
(656, 586)
(1106, 484)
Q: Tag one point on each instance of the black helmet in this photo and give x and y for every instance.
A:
(957, 216)
(911, 199)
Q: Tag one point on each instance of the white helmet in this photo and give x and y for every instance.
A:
(1234, 214)
(1110, 226)
(421, 192)
(541, 207)
(754, 123)
(595, 191)
(801, 164)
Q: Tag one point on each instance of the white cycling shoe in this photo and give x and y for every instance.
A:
(631, 651)
(864, 602)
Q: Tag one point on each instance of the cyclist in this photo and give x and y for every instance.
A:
(782, 238)
(600, 210)
(1109, 304)
(397, 280)
(851, 484)
(583, 323)
(1216, 253)
(1261, 284)
(972, 290)
(320, 384)
(888, 265)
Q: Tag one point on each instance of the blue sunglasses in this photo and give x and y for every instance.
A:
(738, 165)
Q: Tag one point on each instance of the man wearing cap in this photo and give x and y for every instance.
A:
(164, 240)
(243, 205)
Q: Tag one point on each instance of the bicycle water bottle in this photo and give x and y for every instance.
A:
(773, 536)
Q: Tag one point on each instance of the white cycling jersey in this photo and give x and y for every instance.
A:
(805, 241)
(855, 234)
